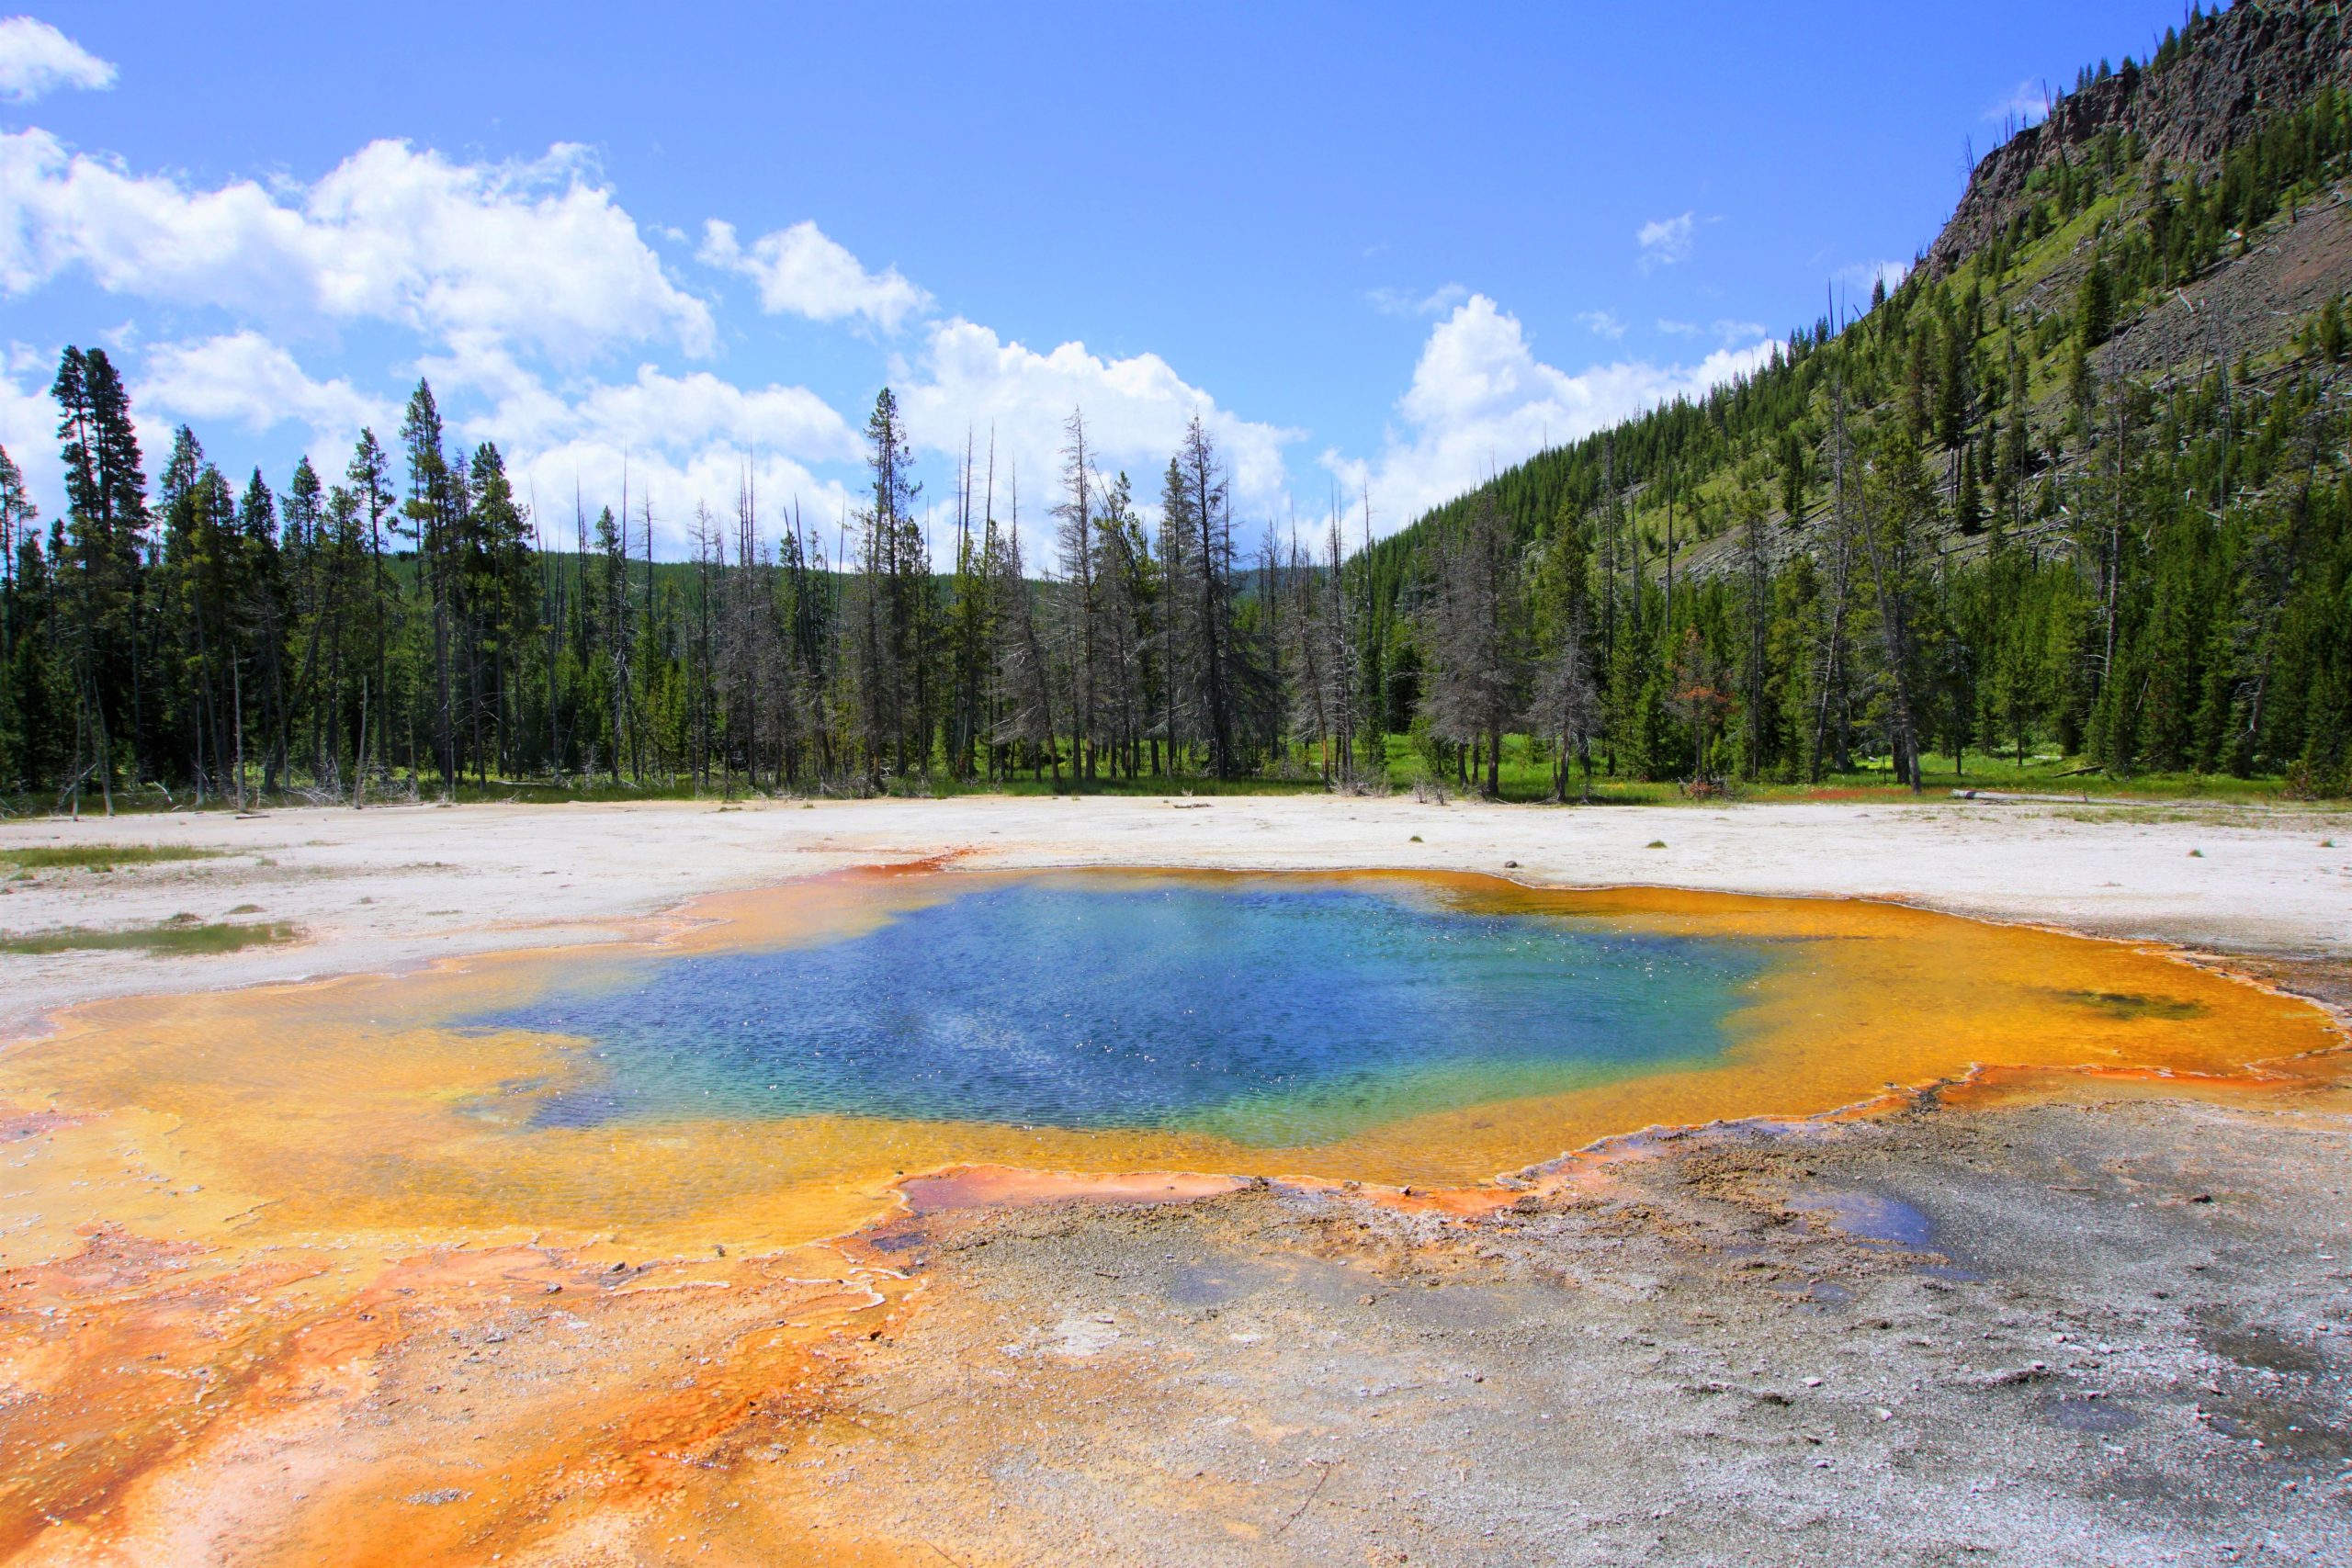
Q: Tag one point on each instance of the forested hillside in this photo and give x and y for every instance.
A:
(2079, 489)
(2078, 485)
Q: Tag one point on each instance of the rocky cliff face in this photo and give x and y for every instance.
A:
(2230, 72)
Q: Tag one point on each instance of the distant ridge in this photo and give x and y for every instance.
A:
(2202, 94)
(2211, 89)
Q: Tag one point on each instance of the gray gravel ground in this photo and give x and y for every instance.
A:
(2095, 1332)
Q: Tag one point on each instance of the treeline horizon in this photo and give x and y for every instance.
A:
(404, 625)
(1936, 527)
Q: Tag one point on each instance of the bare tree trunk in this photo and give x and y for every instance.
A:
(359, 762)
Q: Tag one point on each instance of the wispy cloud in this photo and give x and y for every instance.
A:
(1600, 323)
(36, 58)
(1861, 275)
(1403, 303)
(1721, 329)
(1665, 241)
(2022, 105)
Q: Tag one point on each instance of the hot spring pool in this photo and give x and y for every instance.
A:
(1268, 1013)
(764, 1067)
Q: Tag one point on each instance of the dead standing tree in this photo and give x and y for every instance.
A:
(1024, 684)
(1471, 613)
(1340, 654)
(1567, 705)
(1079, 622)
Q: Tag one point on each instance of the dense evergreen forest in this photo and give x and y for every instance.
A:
(2053, 496)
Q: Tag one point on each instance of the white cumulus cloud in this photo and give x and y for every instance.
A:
(1480, 400)
(28, 422)
(35, 58)
(246, 378)
(802, 272)
(1136, 411)
(579, 476)
(676, 441)
(535, 252)
(503, 283)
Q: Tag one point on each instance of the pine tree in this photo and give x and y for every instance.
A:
(369, 480)
(970, 631)
(23, 583)
(1899, 502)
(2095, 303)
(262, 610)
(1951, 385)
(103, 585)
(895, 613)
(434, 516)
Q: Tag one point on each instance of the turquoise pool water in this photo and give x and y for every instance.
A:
(1267, 1014)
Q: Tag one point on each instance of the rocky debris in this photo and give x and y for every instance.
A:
(2248, 305)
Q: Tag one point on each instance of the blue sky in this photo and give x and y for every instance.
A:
(1377, 248)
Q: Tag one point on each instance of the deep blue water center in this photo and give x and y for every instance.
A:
(1271, 1015)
